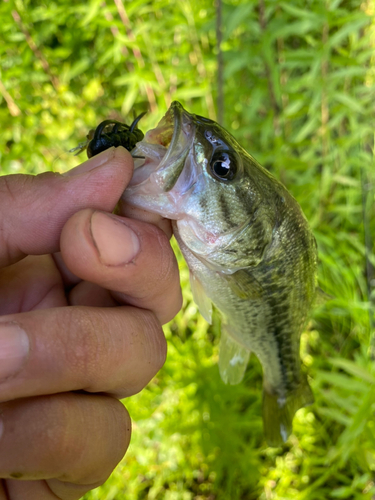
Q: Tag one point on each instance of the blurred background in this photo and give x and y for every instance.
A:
(294, 82)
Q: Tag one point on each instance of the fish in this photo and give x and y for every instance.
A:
(248, 246)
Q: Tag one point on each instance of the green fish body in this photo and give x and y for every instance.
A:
(248, 247)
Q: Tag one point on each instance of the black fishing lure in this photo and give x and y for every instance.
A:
(111, 133)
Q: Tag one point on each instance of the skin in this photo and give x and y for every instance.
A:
(90, 291)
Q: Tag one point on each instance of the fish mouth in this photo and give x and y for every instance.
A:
(165, 149)
(169, 179)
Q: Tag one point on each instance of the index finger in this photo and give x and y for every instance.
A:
(34, 209)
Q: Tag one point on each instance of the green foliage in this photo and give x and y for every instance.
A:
(299, 86)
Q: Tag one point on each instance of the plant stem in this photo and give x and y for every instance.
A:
(220, 64)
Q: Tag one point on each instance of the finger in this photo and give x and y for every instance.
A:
(54, 437)
(32, 283)
(113, 350)
(90, 294)
(123, 208)
(33, 209)
(129, 257)
(13, 489)
(69, 279)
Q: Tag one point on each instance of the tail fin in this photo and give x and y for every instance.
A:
(278, 416)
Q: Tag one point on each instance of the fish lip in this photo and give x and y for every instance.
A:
(169, 169)
(175, 110)
(166, 170)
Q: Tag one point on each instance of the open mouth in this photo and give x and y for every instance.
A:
(164, 149)
(170, 181)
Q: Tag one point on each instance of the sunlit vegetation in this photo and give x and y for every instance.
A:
(299, 87)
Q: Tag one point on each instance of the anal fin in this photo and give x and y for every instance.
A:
(233, 358)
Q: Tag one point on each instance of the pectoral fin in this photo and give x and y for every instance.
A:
(200, 298)
(244, 285)
(233, 358)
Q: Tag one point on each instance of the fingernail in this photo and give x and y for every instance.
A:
(14, 348)
(94, 162)
(116, 243)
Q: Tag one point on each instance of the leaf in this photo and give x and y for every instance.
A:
(294, 107)
(341, 381)
(349, 101)
(188, 93)
(298, 28)
(346, 181)
(348, 28)
(78, 68)
(238, 16)
(353, 369)
(129, 99)
(92, 9)
(334, 414)
(234, 64)
(342, 492)
(306, 129)
(298, 12)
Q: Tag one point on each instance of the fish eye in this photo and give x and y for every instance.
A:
(223, 166)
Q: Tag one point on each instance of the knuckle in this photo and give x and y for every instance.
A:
(71, 449)
(173, 307)
(124, 350)
(54, 436)
(84, 346)
(11, 186)
(9, 199)
(56, 411)
(49, 421)
(119, 421)
(145, 353)
(155, 337)
(112, 427)
(21, 197)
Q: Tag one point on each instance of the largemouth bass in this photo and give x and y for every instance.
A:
(248, 247)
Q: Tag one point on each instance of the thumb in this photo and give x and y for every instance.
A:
(34, 209)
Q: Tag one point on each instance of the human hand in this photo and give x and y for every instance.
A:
(78, 329)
